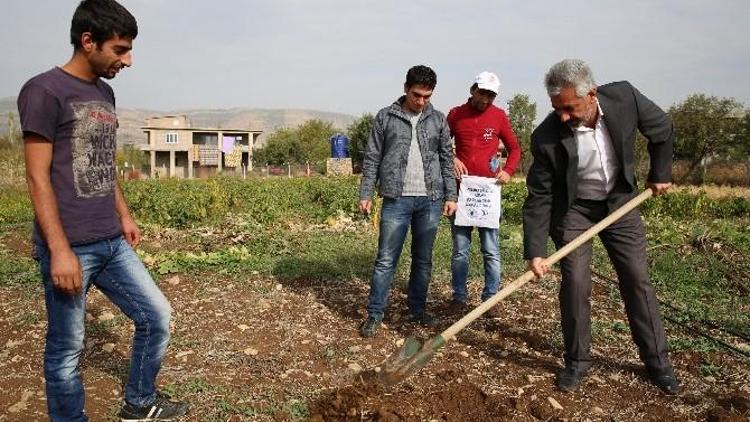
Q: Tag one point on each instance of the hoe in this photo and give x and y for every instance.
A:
(413, 355)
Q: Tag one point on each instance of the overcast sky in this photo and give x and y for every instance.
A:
(351, 56)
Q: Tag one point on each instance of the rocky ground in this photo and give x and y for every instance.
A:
(260, 348)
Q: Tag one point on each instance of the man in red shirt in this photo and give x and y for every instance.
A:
(481, 132)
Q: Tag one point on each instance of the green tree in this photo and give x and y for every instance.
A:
(522, 112)
(743, 148)
(308, 142)
(132, 155)
(358, 132)
(706, 127)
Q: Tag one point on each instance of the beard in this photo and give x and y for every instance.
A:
(108, 73)
(575, 123)
(105, 69)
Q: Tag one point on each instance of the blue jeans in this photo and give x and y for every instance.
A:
(114, 268)
(460, 260)
(423, 215)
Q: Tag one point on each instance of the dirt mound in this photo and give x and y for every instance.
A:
(468, 402)
(349, 403)
(453, 402)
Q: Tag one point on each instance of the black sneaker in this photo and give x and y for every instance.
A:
(569, 379)
(666, 381)
(424, 319)
(369, 327)
(162, 409)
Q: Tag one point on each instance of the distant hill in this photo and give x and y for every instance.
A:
(267, 120)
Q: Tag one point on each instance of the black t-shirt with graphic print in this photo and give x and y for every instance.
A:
(78, 118)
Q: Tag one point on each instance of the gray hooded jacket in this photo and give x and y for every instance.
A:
(388, 151)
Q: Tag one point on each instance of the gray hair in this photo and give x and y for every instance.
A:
(569, 73)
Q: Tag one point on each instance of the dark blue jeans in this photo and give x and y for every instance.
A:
(423, 215)
(114, 268)
(488, 240)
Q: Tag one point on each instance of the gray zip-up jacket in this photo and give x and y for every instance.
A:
(388, 151)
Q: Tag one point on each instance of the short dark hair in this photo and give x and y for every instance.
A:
(104, 19)
(421, 75)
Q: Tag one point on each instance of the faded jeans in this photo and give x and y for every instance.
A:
(488, 239)
(423, 215)
(114, 268)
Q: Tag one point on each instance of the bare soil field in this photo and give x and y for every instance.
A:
(260, 348)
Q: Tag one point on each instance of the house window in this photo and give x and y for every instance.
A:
(171, 137)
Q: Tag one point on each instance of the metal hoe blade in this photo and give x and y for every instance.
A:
(409, 359)
(410, 348)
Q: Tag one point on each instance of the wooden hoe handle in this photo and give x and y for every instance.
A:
(584, 237)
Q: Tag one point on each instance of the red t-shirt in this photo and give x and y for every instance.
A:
(478, 135)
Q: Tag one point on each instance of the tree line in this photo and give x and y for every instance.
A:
(708, 129)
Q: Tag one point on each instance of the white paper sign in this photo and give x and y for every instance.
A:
(479, 202)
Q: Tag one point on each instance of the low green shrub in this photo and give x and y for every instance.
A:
(684, 205)
(15, 206)
(176, 203)
(184, 203)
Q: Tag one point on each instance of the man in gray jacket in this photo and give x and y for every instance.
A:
(410, 156)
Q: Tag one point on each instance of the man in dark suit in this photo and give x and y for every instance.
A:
(583, 169)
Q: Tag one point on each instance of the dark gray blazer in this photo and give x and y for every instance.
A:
(551, 181)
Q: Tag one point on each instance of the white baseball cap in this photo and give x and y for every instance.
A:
(488, 81)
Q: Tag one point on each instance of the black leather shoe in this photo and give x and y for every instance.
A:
(369, 327)
(666, 381)
(569, 379)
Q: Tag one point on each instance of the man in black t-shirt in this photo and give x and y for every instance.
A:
(83, 232)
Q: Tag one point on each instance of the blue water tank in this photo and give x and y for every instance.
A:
(339, 146)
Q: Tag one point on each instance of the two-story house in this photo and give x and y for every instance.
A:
(177, 149)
